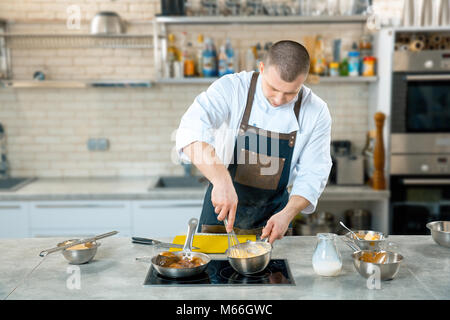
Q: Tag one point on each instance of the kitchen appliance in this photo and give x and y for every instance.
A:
(220, 273)
(359, 219)
(173, 7)
(107, 22)
(420, 139)
(347, 169)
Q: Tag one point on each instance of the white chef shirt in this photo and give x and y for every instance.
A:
(215, 115)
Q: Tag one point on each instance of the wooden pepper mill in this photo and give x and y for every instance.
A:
(378, 180)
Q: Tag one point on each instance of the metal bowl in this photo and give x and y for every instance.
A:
(440, 231)
(107, 22)
(388, 269)
(79, 256)
(254, 264)
(374, 245)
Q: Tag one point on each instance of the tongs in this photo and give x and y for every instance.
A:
(157, 243)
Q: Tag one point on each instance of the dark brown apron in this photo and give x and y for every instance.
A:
(261, 188)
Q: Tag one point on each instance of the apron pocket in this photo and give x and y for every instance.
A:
(258, 170)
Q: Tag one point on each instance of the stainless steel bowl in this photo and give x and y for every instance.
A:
(254, 264)
(107, 22)
(374, 245)
(388, 269)
(79, 256)
(440, 231)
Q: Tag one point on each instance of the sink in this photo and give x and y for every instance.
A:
(13, 184)
(181, 182)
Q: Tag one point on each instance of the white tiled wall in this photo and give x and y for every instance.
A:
(48, 128)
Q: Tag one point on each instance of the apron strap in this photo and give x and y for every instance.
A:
(248, 106)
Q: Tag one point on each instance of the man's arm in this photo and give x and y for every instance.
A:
(278, 224)
(223, 195)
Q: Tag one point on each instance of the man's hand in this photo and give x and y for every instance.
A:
(278, 224)
(225, 200)
(276, 227)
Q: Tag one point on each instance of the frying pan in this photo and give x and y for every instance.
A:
(185, 253)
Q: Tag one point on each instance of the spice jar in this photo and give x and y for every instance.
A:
(326, 258)
(334, 69)
(368, 68)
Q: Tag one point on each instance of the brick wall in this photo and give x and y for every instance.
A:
(48, 128)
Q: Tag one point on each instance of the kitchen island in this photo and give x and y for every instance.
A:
(115, 274)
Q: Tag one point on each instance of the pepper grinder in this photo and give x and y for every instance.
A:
(378, 180)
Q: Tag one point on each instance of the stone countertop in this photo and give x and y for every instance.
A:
(115, 274)
(144, 189)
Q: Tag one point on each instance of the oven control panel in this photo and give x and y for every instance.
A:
(420, 164)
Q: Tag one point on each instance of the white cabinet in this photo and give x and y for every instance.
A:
(14, 219)
(79, 218)
(164, 218)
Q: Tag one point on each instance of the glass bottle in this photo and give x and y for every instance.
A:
(326, 258)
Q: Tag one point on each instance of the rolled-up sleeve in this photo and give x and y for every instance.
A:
(207, 113)
(314, 164)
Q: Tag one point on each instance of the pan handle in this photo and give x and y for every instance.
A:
(192, 225)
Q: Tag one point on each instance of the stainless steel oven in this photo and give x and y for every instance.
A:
(420, 140)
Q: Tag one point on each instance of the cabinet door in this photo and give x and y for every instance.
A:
(160, 219)
(14, 220)
(79, 218)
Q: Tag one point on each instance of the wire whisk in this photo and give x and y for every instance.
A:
(234, 247)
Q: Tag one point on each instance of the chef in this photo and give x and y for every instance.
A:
(252, 135)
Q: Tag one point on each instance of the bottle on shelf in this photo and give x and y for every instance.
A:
(223, 61)
(173, 60)
(354, 61)
(199, 56)
(189, 61)
(250, 61)
(319, 65)
(209, 59)
(231, 57)
(259, 54)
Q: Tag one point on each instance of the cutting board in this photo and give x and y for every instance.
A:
(210, 242)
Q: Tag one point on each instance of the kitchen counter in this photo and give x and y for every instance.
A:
(114, 273)
(144, 189)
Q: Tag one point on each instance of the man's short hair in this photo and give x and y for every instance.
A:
(290, 58)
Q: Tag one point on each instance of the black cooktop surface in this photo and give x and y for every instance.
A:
(220, 273)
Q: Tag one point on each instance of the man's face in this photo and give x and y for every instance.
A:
(277, 91)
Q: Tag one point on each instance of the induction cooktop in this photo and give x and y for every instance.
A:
(220, 273)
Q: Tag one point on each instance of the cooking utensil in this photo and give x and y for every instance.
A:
(373, 245)
(342, 224)
(107, 22)
(186, 253)
(79, 256)
(158, 243)
(350, 243)
(75, 242)
(440, 231)
(253, 264)
(388, 268)
(234, 247)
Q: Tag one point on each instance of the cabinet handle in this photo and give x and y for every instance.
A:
(181, 205)
(10, 207)
(77, 206)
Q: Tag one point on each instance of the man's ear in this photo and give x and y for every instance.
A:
(261, 67)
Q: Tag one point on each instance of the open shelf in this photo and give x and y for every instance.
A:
(76, 83)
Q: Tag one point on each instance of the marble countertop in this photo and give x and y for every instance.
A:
(115, 274)
(144, 189)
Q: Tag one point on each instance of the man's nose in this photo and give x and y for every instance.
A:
(279, 98)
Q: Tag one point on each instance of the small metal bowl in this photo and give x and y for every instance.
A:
(79, 256)
(440, 231)
(254, 264)
(374, 245)
(388, 269)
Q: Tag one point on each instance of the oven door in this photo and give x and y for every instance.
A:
(421, 103)
(417, 200)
